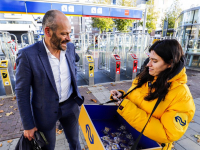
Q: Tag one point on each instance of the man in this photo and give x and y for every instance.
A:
(48, 67)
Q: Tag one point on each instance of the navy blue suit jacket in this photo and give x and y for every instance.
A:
(34, 70)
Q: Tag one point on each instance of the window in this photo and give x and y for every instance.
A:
(14, 22)
(180, 20)
(188, 30)
(188, 17)
(198, 33)
(196, 16)
(3, 22)
(194, 32)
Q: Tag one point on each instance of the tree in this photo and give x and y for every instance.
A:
(107, 2)
(123, 24)
(172, 13)
(104, 24)
(151, 18)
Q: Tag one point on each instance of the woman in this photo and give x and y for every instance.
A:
(164, 76)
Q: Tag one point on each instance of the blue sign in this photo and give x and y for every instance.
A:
(12, 6)
(137, 14)
(38, 7)
(68, 8)
(96, 11)
(125, 13)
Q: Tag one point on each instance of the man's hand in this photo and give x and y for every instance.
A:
(116, 94)
(30, 133)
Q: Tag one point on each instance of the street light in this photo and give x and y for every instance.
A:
(145, 17)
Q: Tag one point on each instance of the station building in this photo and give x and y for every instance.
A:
(187, 27)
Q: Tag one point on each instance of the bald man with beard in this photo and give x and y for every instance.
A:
(48, 68)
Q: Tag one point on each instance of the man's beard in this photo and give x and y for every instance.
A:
(56, 42)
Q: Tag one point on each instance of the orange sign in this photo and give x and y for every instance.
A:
(127, 12)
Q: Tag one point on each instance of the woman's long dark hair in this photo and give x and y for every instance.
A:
(171, 52)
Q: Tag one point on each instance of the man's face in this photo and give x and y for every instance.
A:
(60, 37)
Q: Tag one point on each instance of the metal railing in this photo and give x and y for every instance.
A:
(9, 47)
(100, 46)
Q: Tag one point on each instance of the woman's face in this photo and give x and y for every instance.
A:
(156, 64)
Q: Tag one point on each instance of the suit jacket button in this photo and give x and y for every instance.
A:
(55, 112)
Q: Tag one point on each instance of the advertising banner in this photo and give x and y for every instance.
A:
(125, 13)
(96, 11)
(12, 6)
(68, 8)
(38, 7)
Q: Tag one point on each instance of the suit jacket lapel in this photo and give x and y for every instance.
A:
(68, 56)
(69, 60)
(46, 64)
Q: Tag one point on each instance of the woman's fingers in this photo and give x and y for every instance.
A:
(115, 98)
(116, 94)
(113, 92)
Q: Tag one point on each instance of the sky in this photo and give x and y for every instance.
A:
(186, 4)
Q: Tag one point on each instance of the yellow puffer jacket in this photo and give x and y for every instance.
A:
(172, 116)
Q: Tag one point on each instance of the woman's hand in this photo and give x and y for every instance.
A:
(119, 102)
(116, 94)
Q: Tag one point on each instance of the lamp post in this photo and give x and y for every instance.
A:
(145, 18)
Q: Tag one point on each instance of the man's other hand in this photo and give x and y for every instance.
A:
(30, 133)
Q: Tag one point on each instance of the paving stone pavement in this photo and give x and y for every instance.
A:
(11, 127)
(61, 143)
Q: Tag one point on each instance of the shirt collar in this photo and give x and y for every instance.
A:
(47, 50)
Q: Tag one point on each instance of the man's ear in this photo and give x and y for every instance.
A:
(47, 31)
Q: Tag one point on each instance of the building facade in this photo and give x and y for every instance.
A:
(187, 28)
(17, 24)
